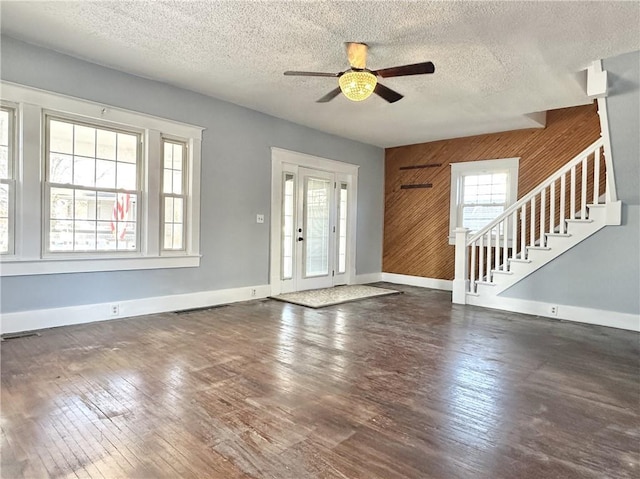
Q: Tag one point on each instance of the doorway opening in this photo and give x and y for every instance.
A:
(313, 222)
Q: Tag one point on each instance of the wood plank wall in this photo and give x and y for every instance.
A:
(416, 221)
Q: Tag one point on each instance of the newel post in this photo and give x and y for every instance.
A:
(461, 281)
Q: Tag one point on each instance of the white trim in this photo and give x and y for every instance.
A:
(612, 319)
(315, 162)
(596, 80)
(289, 161)
(88, 265)
(603, 113)
(432, 283)
(458, 170)
(93, 110)
(367, 278)
(50, 318)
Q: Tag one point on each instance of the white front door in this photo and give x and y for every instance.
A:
(313, 222)
(315, 229)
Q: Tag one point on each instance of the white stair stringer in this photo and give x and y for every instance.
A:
(578, 230)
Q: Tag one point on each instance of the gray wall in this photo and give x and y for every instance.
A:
(603, 272)
(236, 183)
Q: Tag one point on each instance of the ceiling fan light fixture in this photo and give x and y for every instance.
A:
(357, 85)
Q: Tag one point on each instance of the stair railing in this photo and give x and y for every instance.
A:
(526, 224)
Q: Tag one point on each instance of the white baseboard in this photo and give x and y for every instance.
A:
(367, 278)
(612, 319)
(433, 283)
(50, 318)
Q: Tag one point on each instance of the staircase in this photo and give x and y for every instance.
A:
(568, 207)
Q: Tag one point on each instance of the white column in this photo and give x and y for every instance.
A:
(460, 283)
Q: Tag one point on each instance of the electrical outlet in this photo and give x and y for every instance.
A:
(553, 310)
(115, 310)
(253, 293)
(259, 218)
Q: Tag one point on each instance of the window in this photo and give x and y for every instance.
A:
(342, 229)
(100, 188)
(288, 226)
(174, 197)
(7, 180)
(93, 187)
(481, 191)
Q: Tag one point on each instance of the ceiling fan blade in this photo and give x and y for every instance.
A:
(404, 70)
(329, 96)
(311, 74)
(387, 93)
(357, 54)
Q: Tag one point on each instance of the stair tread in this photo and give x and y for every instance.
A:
(579, 221)
(518, 260)
(499, 271)
(596, 205)
(541, 248)
(562, 235)
(486, 283)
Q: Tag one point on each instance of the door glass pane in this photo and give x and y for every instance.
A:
(288, 228)
(316, 237)
(342, 229)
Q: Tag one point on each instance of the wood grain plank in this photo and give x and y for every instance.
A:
(416, 223)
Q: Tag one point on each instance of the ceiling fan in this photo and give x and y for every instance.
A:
(358, 83)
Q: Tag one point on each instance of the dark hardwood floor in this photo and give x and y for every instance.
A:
(404, 386)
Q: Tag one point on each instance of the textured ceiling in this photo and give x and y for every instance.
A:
(497, 63)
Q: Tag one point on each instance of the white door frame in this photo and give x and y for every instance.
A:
(281, 161)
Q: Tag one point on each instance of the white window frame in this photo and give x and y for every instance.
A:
(48, 184)
(184, 196)
(460, 170)
(13, 170)
(28, 256)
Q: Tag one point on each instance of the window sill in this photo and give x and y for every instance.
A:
(18, 267)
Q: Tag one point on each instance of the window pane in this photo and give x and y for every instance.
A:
(126, 236)
(61, 203)
(4, 162)
(287, 227)
(106, 144)
(105, 174)
(85, 205)
(127, 148)
(61, 236)
(167, 179)
(106, 205)
(342, 228)
(84, 141)
(178, 154)
(60, 168)
(317, 226)
(84, 236)
(61, 137)
(475, 217)
(84, 171)
(4, 235)
(4, 201)
(126, 176)
(178, 209)
(4, 218)
(177, 182)
(168, 210)
(168, 155)
(4, 127)
(168, 236)
(177, 236)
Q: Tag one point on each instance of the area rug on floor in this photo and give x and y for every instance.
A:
(319, 298)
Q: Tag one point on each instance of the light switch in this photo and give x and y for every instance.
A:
(259, 218)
